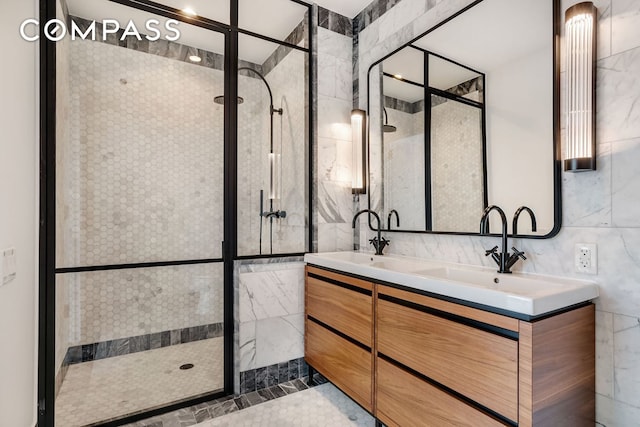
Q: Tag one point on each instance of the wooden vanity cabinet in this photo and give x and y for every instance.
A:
(339, 331)
(438, 363)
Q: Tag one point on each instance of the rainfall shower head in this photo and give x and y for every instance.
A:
(386, 127)
(389, 128)
(220, 100)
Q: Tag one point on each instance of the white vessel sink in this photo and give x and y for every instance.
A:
(522, 293)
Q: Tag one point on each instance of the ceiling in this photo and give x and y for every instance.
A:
(348, 8)
(273, 18)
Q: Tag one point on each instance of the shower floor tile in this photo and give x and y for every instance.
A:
(117, 386)
(321, 406)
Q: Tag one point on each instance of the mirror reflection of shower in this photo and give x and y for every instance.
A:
(386, 127)
(274, 165)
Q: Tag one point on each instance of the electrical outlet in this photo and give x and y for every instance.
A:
(7, 266)
(586, 258)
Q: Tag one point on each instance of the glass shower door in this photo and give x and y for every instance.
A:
(139, 207)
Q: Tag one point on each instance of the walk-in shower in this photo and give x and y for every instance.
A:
(153, 194)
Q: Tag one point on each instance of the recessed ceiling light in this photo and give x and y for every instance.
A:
(398, 76)
(195, 58)
(189, 11)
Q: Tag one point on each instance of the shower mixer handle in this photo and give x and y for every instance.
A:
(275, 214)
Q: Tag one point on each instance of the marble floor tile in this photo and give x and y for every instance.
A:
(115, 387)
(320, 406)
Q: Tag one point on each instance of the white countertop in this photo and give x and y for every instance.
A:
(527, 294)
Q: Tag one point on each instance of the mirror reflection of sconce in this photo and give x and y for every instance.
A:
(580, 35)
(358, 138)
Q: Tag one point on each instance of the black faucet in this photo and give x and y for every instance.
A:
(534, 226)
(378, 242)
(504, 259)
(393, 211)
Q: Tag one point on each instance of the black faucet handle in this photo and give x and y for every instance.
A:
(517, 253)
(491, 251)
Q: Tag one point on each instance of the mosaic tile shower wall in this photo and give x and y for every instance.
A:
(107, 305)
(141, 180)
(140, 122)
(456, 167)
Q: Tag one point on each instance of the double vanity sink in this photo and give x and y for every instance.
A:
(422, 343)
(526, 294)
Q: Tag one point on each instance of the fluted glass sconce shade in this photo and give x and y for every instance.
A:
(580, 36)
(359, 133)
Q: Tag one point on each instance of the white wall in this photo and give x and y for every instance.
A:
(18, 224)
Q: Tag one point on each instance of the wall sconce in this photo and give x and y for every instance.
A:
(580, 36)
(358, 139)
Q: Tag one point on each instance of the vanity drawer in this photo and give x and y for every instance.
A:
(342, 362)
(405, 400)
(480, 365)
(341, 305)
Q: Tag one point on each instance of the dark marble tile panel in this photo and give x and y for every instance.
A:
(141, 45)
(155, 340)
(121, 346)
(248, 381)
(288, 387)
(266, 394)
(283, 372)
(323, 17)
(159, 47)
(202, 415)
(255, 398)
(304, 369)
(215, 330)
(299, 384)
(242, 402)
(104, 349)
(74, 355)
(88, 352)
(165, 339)
(277, 391)
(261, 378)
(176, 336)
(272, 376)
(294, 369)
(223, 408)
(139, 343)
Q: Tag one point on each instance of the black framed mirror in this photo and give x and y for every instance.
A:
(466, 116)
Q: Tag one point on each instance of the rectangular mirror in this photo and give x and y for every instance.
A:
(463, 117)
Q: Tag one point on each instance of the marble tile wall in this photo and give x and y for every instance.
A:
(600, 207)
(114, 304)
(334, 198)
(268, 313)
